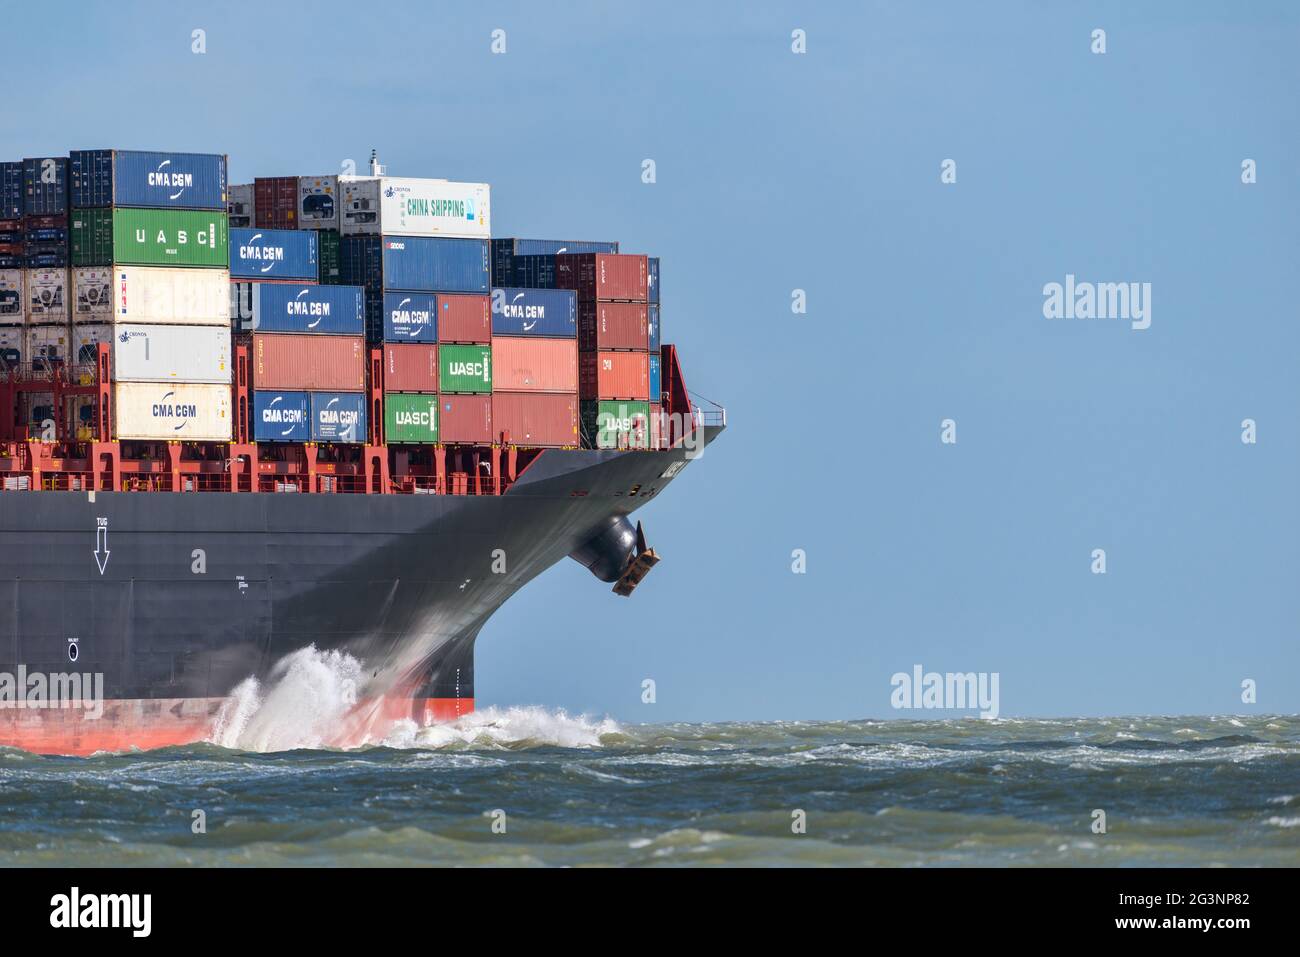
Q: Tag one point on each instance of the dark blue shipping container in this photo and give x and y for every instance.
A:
(415, 262)
(99, 178)
(11, 190)
(290, 307)
(58, 237)
(46, 257)
(654, 328)
(281, 416)
(338, 417)
(45, 186)
(532, 272)
(654, 377)
(652, 278)
(552, 313)
(11, 262)
(505, 253)
(410, 317)
(549, 247)
(275, 254)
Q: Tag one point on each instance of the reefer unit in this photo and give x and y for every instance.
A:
(100, 178)
(465, 419)
(318, 202)
(274, 254)
(338, 417)
(410, 367)
(241, 207)
(535, 312)
(188, 297)
(52, 343)
(603, 276)
(86, 337)
(281, 416)
(613, 325)
(410, 418)
(92, 293)
(47, 295)
(535, 420)
(12, 299)
(306, 308)
(183, 412)
(327, 363)
(401, 206)
(151, 353)
(534, 365)
(410, 317)
(465, 368)
(615, 375)
(13, 346)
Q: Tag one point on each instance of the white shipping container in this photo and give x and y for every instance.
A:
(152, 353)
(181, 411)
(87, 335)
(318, 202)
(47, 342)
(92, 291)
(187, 297)
(47, 295)
(240, 207)
(13, 346)
(402, 206)
(11, 296)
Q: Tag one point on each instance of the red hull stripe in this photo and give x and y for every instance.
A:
(163, 722)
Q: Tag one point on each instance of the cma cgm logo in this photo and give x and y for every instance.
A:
(168, 180)
(415, 321)
(163, 409)
(290, 416)
(268, 255)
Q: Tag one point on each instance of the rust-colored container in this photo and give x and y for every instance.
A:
(534, 365)
(464, 319)
(613, 325)
(465, 419)
(410, 367)
(603, 275)
(615, 375)
(275, 202)
(327, 363)
(535, 419)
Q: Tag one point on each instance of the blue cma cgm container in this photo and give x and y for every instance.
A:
(410, 317)
(551, 313)
(652, 278)
(291, 307)
(45, 186)
(654, 378)
(654, 328)
(338, 417)
(274, 254)
(11, 191)
(281, 416)
(99, 178)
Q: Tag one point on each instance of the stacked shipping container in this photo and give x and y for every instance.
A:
(535, 366)
(149, 256)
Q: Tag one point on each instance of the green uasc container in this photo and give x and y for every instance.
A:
(617, 424)
(91, 237)
(410, 417)
(171, 237)
(464, 368)
(329, 256)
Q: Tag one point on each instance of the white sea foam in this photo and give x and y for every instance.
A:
(506, 727)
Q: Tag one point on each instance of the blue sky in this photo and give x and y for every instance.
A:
(821, 172)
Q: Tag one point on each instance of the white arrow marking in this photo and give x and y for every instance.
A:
(101, 547)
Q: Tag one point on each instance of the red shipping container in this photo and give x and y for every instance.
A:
(410, 367)
(464, 318)
(613, 325)
(275, 200)
(535, 419)
(525, 364)
(603, 275)
(327, 363)
(615, 375)
(465, 419)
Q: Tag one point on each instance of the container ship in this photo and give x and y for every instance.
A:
(240, 420)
